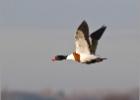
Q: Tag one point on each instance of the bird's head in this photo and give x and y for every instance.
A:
(59, 58)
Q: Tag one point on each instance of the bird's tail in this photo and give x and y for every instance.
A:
(104, 58)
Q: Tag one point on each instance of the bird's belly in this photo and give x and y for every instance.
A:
(85, 58)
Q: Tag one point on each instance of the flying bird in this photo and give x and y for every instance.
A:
(85, 45)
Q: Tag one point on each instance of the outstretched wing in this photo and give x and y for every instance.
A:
(95, 36)
(82, 39)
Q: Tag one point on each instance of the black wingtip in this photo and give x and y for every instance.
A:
(84, 27)
(104, 26)
(84, 21)
(98, 33)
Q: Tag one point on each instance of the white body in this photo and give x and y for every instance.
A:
(84, 47)
(83, 57)
(86, 58)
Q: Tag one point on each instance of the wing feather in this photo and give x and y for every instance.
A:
(82, 39)
(95, 36)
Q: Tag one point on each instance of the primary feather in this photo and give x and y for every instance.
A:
(95, 36)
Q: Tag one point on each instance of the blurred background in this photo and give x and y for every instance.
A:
(34, 31)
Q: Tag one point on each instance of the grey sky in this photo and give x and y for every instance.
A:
(33, 31)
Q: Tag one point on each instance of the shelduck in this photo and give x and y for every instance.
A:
(85, 46)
